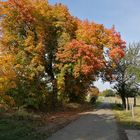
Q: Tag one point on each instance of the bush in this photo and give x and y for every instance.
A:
(93, 100)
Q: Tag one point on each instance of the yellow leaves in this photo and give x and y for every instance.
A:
(33, 27)
(18, 66)
(29, 44)
(63, 39)
(29, 49)
(5, 99)
(40, 68)
(61, 79)
(7, 73)
(29, 41)
(42, 6)
(6, 64)
(39, 49)
(36, 60)
(32, 71)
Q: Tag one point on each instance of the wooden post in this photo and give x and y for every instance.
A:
(132, 110)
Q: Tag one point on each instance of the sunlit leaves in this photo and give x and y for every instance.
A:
(82, 57)
(47, 42)
(7, 78)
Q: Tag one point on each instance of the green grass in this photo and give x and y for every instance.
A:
(19, 128)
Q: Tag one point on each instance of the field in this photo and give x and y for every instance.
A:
(125, 117)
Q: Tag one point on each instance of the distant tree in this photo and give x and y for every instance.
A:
(108, 93)
(126, 74)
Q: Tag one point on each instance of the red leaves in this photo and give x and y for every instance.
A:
(117, 53)
(117, 45)
(81, 56)
(24, 8)
(114, 39)
(86, 53)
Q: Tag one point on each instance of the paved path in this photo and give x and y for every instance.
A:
(96, 125)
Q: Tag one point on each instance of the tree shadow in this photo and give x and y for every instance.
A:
(116, 106)
(133, 125)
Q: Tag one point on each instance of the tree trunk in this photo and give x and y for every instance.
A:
(123, 96)
(50, 71)
(128, 107)
(135, 101)
(54, 94)
(123, 101)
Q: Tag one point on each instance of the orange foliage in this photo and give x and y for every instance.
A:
(83, 57)
(117, 53)
(86, 52)
(33, 29)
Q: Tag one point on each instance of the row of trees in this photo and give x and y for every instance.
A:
(48, 56)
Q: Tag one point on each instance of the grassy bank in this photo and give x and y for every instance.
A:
(20, 125)
(124, 117)
(28, 125)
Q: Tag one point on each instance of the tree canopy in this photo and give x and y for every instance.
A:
(56, 56)
(126, 75)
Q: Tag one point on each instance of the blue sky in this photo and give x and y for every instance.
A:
(124, 14)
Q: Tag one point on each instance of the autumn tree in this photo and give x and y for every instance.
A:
(55, 54)
(82, 59)
(33, 30)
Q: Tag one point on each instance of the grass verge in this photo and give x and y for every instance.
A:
(124, 117)
(19, 128)
(24, 125)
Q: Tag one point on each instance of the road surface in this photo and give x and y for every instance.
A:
(94, 125)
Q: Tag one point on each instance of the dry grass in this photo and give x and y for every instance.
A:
(124, 117)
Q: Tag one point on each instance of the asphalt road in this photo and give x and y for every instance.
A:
(94, 125)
